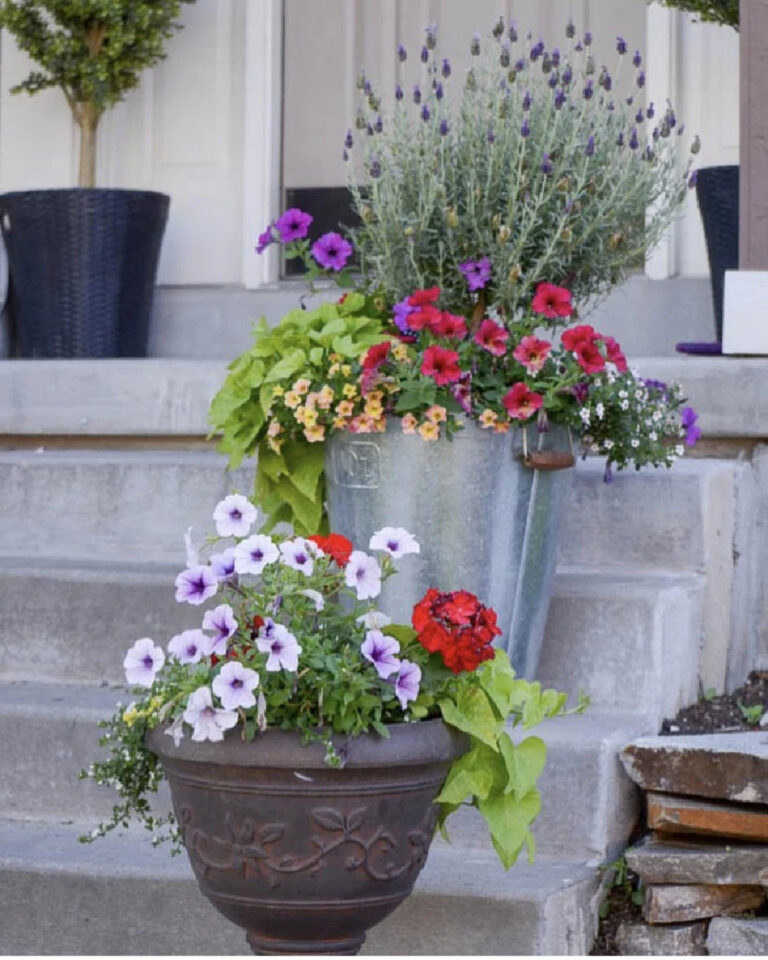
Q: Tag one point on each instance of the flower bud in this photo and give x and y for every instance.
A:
(375, 168)
(555, 57)
(641, 80)
(416, 93)
(567, 75)
(366, 214)
(639, 116)
(471, 80)
(560, 99)
(444, 128)
(402, 53)
(567, 234)
(696, 145)
(570, 30)
(536, 51)
(379, 125)
(446, 69)
(349, 141)
(431, 39)
(546, 63)
(615, 240)
(546, 163)
(408, 232)
(504, 233)
(587, 39)
(554, 79)
(525, 130)
(637, 59)
(398, 92)
(512, 76)
(474, 47)
(360, 121)
(589, 65)
(504, 56)
(361, 81)
(424, 55)
(590, 150)
(512, 34)
(452, 217)
(514, 274)
(621, 45)
(633, 141)
(439, 92)
(425, 114)
(527, 100)
(490, 135)
(495, 221)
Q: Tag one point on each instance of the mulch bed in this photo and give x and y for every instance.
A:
(725, 713)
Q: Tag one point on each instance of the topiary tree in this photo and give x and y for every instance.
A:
(725, 12)
(94, 50)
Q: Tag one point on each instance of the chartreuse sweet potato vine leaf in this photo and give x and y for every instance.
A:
(289, 485)
(497, 774)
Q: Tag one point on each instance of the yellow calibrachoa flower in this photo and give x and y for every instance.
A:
(274, 429)
(311, 400)
(409, 423)
(339, 423)
(436, 413)
(346, 370)
(429, 431)
(349, 390)
(325, 397)
(373, 408)
(315, 433)
(335, 357)
(131, 715)
(292, 399)
(376, 395)
(400, 352)
(380, 425)
(334, 369)
(306, 416)
(488, 418)
(277, 391)
(501, 427)
(345, 408)
(302, 385)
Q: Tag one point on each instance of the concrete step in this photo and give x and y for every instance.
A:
(109, 504)
(49, 733)
(122, 896)
(625, 638)
(74, 623)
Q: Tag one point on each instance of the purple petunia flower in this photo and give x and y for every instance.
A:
(395, 541)
(401, 312)
(189, 646)
(265, 239)
(380, 649)
(363, 574)
(407, 682)
(208, 722)
(234, 686)
(234, 516)
(476, 272)
(688, 418)
(293, 225)
(332, 251)
(282, 647)
(195, 585)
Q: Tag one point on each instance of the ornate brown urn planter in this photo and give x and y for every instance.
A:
(307, 857)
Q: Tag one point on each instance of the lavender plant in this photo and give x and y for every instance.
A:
(536, 172)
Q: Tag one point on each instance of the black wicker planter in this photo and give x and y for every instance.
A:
(717, 192)
(82, 266)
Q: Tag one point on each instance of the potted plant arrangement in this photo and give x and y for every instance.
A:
(435, 394)
(312, 746)
(83, 261)
(717, 190)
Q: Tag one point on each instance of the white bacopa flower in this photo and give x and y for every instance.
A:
(188, 646)
(638, 394)
(595, 448)
(363, 574)
(653, 435)
(234, 516)
(234, 686)
(142, 662)
(374, 620)
(316, 597)
(395, 541)
(608, 444)
(221, 621)
(600, 411)
(624, 404)
(634, 443)
(255, 553)
(281, 645)
(208, 722)
(623, 394)
(679, 449)
(585, 416)
(297, 554)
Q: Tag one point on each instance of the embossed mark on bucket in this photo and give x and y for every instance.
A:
(356, 463)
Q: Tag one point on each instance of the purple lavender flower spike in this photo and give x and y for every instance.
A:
(589, 90)
(425, 114)
(349, 140)
(650, 112)
(525, 130)
(607, 80)
(567, 76)
(555, 57)
(439, 91)
(380, 649)
(639, 116)
(402, 53)
(407, 682)
(431, 39)
(369, 130)
(293, 225)
(634, 143)
(621, 45)
(490, 136)
(519, 65)
(537, 50)
(560, 99)
(527, 100)
(546, 163)
(424, 55)
(620, 140)
(587, 39)
(398, 92)
(553, 80)
(446, 68)
(375, 168)
(416, 93)
(195, 585)
(444, 128)
(637, 59)
(590, 151)
(641, 79)
(474, 47)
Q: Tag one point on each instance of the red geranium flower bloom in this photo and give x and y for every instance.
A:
(491, 337)
(532, 353)
(451, 326)
(457, 626)
(376, 355)
(589, 358)
(461, 607)
(420, 298)
(615, 354)
(552, 301)
(441, 364)
(337, 547)
(521, 403)
(422, 610)
(577, 336)
(425, 316)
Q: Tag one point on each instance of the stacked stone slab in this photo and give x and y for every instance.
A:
(105, 466)
(706, 855)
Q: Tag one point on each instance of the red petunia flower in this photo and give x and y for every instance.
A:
(420, 298)
(532, 353)
(491, 337)
(521, 402)
(615, 354)
(376, 355)
(337, 547)
(451, 326)
(589, 358)
(552, 301)
(577, 336)
(441, 364)
(425, 316)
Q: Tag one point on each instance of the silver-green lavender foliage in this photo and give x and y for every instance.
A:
(531, 160)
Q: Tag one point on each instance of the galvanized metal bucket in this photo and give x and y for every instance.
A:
(486, 521)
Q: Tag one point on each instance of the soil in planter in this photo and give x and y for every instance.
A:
(724, 713)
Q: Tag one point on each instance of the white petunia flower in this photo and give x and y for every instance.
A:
(208, 722)
(374, 620)
(223, 564)
(281, 645)
(188, 646)
(316, 597)
(395, 541)
(364, 575)
(234, 516)
(234, 686)
(142, 662)
(255, 553)
(297, 554)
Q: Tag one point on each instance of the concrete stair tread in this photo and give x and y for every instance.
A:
(456, 883)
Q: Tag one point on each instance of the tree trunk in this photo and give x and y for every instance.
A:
(88, 120)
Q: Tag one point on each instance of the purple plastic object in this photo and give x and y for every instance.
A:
(707, 348)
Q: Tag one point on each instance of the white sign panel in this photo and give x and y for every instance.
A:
(745, 312)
